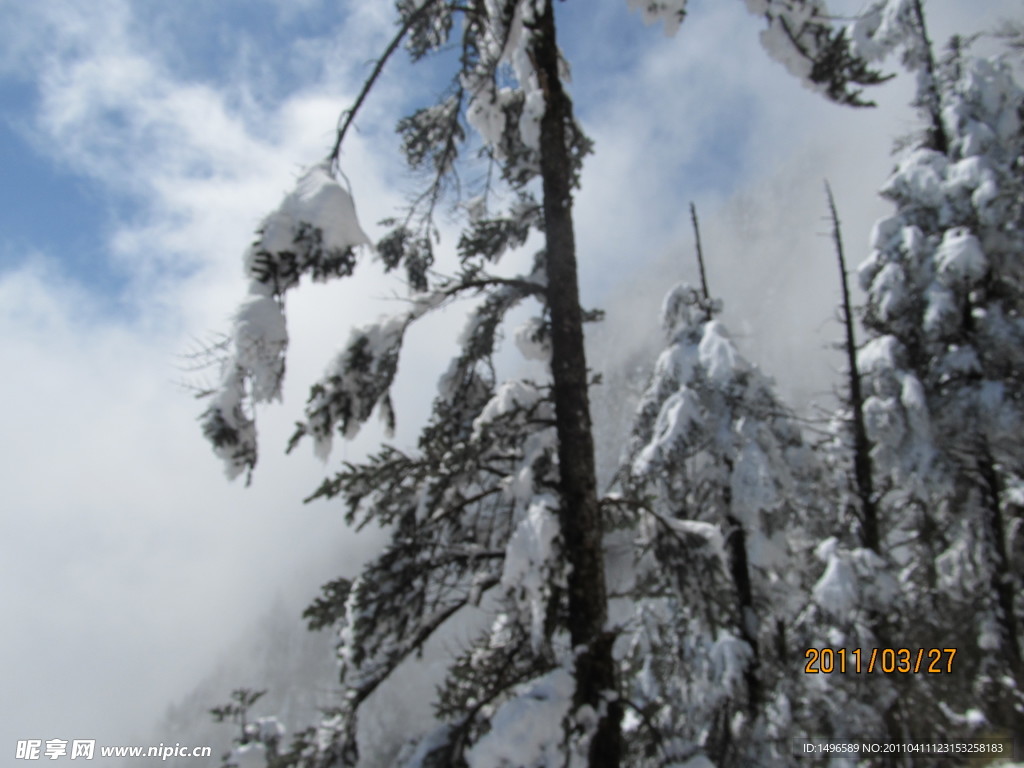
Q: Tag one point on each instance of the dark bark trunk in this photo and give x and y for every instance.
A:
(740, 567)
(1001, 582)
(931, 100)
(863, 468)
(580, 514)
(863, 472)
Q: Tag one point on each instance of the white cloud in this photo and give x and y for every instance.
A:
(664, 128)
(129, 560)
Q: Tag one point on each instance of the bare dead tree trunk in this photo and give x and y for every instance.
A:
(937, 138)
(700, 255)
(580, 513)
(862, 469)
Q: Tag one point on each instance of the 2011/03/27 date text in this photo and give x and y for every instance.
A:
(934, 661)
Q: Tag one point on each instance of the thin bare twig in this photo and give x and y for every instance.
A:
(350, 114)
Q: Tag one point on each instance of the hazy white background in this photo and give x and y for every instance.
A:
(140, 144)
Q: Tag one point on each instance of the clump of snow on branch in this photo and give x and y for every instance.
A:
(729, 658)
(836, 590)
(529, 558)
(314, 231)
(315, 224)
(492, 109)
(260, 340)
(853, 579)
(884, 26)
(960, 258)
(708, 533)
(510, 397)
(528, 730)
(533, 340)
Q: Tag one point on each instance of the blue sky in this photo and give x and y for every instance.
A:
(141, 143)
(44, 194)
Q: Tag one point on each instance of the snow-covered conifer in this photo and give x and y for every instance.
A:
(725, 483)
(943, 369)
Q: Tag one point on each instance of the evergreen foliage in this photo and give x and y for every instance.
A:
(939, 395)
(726, 490)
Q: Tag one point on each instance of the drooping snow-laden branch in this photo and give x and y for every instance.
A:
(313, 232)
(360, 377)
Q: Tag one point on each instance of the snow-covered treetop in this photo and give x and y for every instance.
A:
(705, 397)
(954, 236)
(943, 279)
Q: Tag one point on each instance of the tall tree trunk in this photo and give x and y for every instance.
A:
(739, 566)
(580, 514)
(863, 471)
(930, 100)
(1001, 582)
(1001, 579)
(863, 467)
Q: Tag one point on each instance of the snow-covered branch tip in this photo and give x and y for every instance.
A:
(802, 38)
(314, 231)
(359, 379)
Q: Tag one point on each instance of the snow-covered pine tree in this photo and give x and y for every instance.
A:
(496, 507)
(943, 369)
(724, 483)
(258, 739)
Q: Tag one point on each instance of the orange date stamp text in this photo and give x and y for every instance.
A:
(932, 661)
